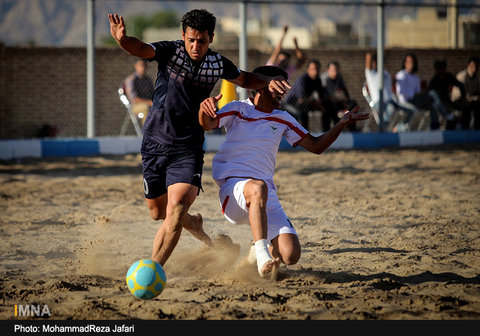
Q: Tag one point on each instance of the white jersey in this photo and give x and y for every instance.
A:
(252, 141)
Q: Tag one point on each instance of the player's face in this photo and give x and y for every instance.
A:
(196, 43)
(275, 98)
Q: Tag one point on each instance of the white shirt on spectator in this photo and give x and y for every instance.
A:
(373, 83)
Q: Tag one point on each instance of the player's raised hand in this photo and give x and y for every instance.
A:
(279, 84)
(117, 26)
(354, 114)
(209, 106)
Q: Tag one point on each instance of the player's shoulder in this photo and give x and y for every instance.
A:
(215, 53)
(234, 105)
(284, 115)
(166, 44)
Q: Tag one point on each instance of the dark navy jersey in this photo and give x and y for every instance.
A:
(181, 85)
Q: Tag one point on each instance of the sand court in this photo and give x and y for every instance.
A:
(387, 234)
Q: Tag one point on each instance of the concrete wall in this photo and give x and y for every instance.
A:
(48, 85)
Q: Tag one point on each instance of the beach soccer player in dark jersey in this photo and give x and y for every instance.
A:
(172, 145)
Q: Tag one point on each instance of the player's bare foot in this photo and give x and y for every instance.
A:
(270, 269)
(196, 229)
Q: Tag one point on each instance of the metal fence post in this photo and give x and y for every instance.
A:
(380, 66)
(90, 68)
(243, 43)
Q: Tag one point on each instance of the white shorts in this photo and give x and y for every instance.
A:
(235, 210)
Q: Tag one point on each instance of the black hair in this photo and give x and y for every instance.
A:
(333, 63)
(474, 59)
(440, 65)
(314, 61)
(199, 19)
(143, 60)
(286, 61)
(271, 71)
(415, 62)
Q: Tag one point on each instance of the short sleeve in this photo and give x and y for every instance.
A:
(230, 70)
(227, 114)
(294, 132)
(163, 51)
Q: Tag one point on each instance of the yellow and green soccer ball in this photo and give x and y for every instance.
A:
(146, 279)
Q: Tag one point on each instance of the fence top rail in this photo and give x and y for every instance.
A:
(449, 3)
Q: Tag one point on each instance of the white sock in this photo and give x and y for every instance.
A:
(262, 253)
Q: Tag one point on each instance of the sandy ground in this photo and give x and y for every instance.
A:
(391, 234)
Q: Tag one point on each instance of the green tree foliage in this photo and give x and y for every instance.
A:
(137, 24)
(162, 19)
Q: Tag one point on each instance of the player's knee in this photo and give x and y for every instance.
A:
(291, 258)
(290, 251)
(156, 212)
(256, 190)
(177, 209)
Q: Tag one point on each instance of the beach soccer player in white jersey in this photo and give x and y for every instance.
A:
(244, 167)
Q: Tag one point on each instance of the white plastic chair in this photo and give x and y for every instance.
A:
(130, 115)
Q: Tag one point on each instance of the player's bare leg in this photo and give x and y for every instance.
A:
(180, 197)
(256, 195)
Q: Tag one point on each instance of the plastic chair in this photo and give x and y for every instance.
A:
(368, 98)
(130, 115)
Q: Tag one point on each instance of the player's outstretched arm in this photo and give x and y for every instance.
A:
(318, 145)
(130, 44)
(207, 114)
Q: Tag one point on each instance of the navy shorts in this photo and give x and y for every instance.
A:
(166, 165)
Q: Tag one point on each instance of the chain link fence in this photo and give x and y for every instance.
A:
(43, 82)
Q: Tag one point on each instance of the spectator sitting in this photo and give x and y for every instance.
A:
(441, 84)
(391, 104)
(470, 78)
(282, 59)
(337, 96)
(307, 94)
(409, 90)
(139, 89)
